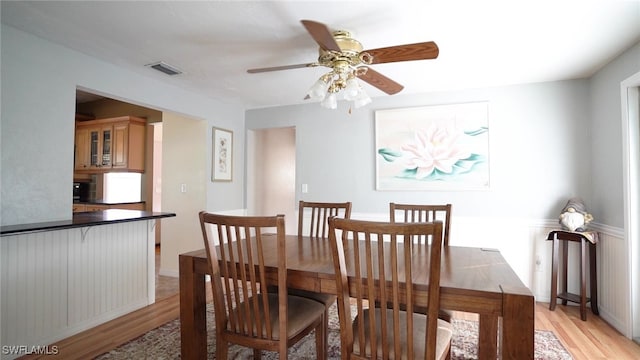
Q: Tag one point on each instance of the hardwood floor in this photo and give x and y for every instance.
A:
(165, 285)
(591, 339)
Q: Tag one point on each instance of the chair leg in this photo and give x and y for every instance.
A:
(593, 279)
(222, 349)
(554, 273)
(583, 281)
(565, 264)
(322, 335)
(257, 354)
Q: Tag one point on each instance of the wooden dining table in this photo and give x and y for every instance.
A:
(475, 280)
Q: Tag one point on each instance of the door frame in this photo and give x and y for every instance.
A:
(630, 99)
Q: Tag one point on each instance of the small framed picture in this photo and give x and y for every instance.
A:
(222, 166)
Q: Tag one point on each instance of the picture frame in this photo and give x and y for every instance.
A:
(222, 155)
(439, 147)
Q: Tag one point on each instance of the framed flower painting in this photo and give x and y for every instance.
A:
(222, 157)
(443, 147)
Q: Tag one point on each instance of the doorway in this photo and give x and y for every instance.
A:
(271, 170)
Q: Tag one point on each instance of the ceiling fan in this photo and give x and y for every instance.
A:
(347, 60)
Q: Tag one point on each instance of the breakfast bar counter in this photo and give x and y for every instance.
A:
(62, 277)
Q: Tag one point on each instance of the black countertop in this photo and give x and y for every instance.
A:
(103, 202)
(84, 219)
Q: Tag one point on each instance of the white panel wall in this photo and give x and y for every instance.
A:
(34, 286)
(58, 283)
(613, 279)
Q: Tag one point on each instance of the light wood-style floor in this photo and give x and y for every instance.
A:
(586, 340)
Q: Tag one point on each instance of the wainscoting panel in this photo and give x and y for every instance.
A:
(107, 270)
(613, 279)
(34, 286)
(58, 283)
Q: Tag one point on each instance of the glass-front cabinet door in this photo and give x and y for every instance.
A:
(106, 147)
(100, 145)
(94, 136)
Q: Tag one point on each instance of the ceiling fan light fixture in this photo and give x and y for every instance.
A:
(339, 84)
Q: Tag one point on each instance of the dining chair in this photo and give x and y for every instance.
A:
(244, 313)
(317, 228)
(373, 263)
(411, 213)
(422, 213)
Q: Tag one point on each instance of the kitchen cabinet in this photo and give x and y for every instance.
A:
(82, 146)
(111, 144)
(82, 207)
(130, 206)
(95, 207)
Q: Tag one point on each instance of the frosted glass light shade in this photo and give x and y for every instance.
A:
(352, 90)
(319, 90)
(362, 99)
(330, 102)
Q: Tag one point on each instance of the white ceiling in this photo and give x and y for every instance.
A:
(482, 43)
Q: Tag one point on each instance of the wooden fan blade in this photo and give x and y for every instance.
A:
(277, 68)
(418, 51)
(381, 82)
(321, 34)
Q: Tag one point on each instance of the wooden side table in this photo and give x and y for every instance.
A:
(584, 238)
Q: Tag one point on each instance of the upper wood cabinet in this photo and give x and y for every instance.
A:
(112, 144)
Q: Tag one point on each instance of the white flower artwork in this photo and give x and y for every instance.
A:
(443, 147)
(222, 157)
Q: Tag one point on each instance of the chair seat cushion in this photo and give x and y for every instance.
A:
(326, 299)
(301, 312)
(445, 332)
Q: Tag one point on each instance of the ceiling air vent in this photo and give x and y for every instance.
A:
(165, 68)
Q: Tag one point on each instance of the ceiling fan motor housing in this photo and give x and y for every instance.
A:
(350, 49)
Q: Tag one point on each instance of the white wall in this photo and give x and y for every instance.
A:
(39, 81)
(538, 138)
(539, 144)
(606, 148)
(184, 161)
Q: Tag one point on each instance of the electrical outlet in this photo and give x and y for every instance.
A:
(538, 263)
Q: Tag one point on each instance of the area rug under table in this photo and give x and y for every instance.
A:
(164, 343)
